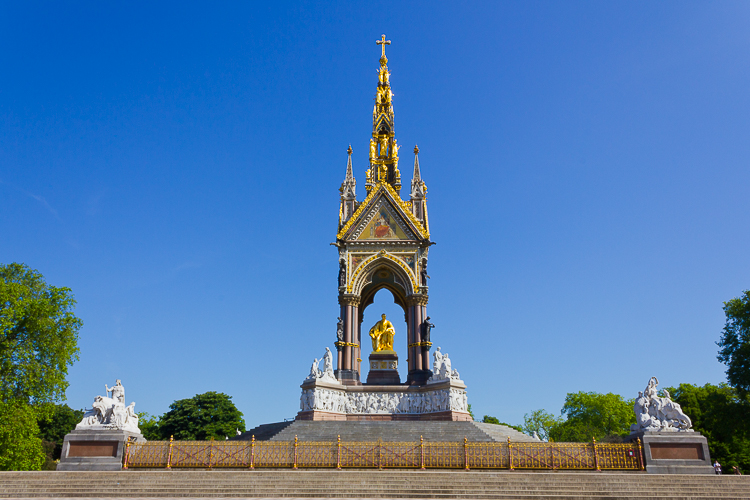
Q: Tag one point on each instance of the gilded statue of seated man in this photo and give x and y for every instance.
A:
(382, 335)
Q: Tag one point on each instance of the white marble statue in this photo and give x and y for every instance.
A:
(438, 357)
(110, 413)
(327, 372)
(117, 390)
(328, 366)
(441, 367)
(314, 370)
(654, 413)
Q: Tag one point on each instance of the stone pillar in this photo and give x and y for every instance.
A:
(419, 359)
(356, 351)
(348, 337)
(417, 337)
(360, 318)
(347, 372)
(410, 336)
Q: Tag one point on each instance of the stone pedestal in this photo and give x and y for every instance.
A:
(95, 449)
(675, 452)
(383, 368)
(331, 400)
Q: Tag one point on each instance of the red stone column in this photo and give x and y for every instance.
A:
(348, 338)
(356, 338)
(350, 316)
(417, 337)
(340, 357)
(410, 335)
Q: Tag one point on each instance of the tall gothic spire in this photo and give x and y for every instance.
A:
(383, 147)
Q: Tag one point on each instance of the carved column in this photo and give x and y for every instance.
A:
(347, 372)
(425, 348)
(418, 358)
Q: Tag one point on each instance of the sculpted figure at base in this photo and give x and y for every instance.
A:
(314, 370)
(382, 335)
(110, 413)
(328, 366)
(441, 367)
(654, 413)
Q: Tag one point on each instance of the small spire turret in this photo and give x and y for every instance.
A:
(418, 189)
(348, 190)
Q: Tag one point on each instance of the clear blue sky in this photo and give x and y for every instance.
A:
(177, 165)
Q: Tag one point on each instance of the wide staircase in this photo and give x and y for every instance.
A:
(371, 484)
(308, 430)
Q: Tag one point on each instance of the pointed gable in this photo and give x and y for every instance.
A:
(383, 222)
(382, 216)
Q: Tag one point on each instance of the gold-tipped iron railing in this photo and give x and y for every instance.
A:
(383, 455)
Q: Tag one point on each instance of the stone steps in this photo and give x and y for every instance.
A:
(370, 484)
(388, 431)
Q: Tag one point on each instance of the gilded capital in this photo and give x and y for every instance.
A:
(349, 299)
(417, 299)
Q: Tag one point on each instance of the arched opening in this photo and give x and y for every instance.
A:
(383, 301)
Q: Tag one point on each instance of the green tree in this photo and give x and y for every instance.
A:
(55, 426)
(38, 342)
(722, 416)
(606, 417)
(149, 426)
(38, 336)
(202, 417)
(541, 422)
(20, 444)
(735, 342)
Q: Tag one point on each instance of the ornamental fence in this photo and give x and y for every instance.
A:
(383, 455)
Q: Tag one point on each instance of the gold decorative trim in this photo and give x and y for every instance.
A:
(350, 300)
(345, 344)
(417, 300)
(421, 230)
(381, 255)
(421, 344)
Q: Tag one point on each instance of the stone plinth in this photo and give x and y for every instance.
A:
(675, 452)
(330, 400)
(95, 449)
(383, 368)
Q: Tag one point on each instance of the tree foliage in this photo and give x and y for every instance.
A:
(735, 342)
(206, 416)
(57, 424)
(541, 422)
(722, 416)
(20, 444)
(606, 417)
(38, 336)
(149, 426)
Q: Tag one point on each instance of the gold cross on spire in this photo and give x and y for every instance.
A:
(383, 42)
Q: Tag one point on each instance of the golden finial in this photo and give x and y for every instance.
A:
(349, 149)
(416, 149)
(383, 42)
